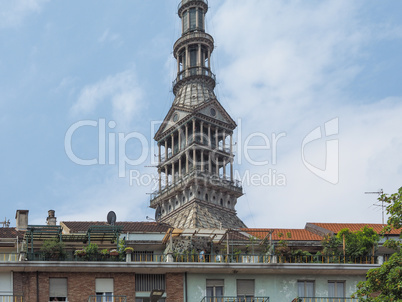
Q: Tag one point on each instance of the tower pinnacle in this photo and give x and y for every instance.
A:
(196, 186)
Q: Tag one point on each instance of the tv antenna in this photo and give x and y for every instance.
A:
(5, 223)
(379, 193)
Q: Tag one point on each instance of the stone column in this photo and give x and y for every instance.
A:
(166, 150)
(179, 167)
(216, 139)
(224, 168)
(167, 177)
(209, 163)
(186, 162)
(160, 179)
(217, 165)
(209, 136)
(172, 144)
(179, 130)
(194, 130)
(202, 132)
(202, 160)
(173, 173)
(231, 169)
(186, 135)
(159, 154)
(187, 63)
(223, 141)
(194, 159)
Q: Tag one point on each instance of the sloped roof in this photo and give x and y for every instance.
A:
(337, 227)
(198, 214)
(128, 226)
(10, 233)
(294, 234)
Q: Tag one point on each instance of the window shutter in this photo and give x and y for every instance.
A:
(104, 285)
(245, 287)
(214, 282)
(58, 287)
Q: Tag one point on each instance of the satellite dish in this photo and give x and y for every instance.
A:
(158, 213)
(111, 218)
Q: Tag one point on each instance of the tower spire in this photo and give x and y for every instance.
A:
(195, 162)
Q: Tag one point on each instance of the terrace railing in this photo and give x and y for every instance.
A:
(107, 298)
(11, 298)
(210, 258)
(325, 299)
(8, 257)
(235, 299)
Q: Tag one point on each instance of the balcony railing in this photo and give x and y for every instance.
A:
(205, 176)
(193, 72)
(107, 298)
(214, 258)
(11, 298)
(8, 257)
(235, 299)
(325, 299)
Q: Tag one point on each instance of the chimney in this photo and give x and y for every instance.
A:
(51, 220)
(21, 217)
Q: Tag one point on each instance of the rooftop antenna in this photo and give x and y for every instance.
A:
(379, 193)
(5, 223)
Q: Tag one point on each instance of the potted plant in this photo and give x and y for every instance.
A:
(53, 249)
(114, 252)
(128, 250)
(104, 253)
(80, 253)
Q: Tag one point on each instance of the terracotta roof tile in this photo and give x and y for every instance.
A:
(10, 233)
(128, 226)
(295, 234)
(336, 227)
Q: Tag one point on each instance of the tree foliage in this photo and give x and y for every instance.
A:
(385, 283)
(359, 243)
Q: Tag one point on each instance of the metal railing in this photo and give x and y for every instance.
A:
(211, 258)
(235, 299)
(107, 298)
(208, 177)
(11, 298)
(194, 71)
(8, 257)
(325, 299)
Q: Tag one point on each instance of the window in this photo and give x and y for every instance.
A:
(200, 18)
(305, 289)
(214, 289)
(336, 289)
(149, 282)
(185, 21)
(245, 290)
(193, 12)
(104, 289)
(57, 289)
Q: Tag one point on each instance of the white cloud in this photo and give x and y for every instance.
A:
(12, 13)
(289, 64)
(109, 37)
(121, 90)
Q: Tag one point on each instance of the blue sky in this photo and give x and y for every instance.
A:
(283, 68)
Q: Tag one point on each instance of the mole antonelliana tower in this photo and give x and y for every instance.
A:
(195, 161)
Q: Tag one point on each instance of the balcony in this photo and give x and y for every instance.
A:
(210, 258)
(195, 72)
(107, 298)
(183, 4)
(235, 299)
(193, 37)
(11, 298)
(8, 257)
(204, 178)
(325, 299)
